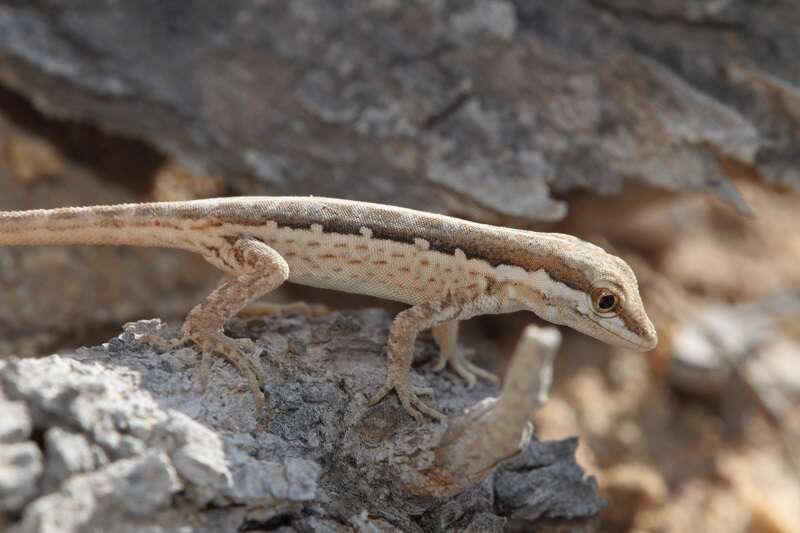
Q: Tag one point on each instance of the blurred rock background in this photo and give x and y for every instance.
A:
(654, 129)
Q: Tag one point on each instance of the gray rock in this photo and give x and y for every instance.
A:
(519, 484)
(775, 376)
(67, 454)
(197, 455)
(20, 471)
(126, 491)
(741, 357)
(482, 19)
(135, 445)
(488, 108)
(15, 423)
(719, 342)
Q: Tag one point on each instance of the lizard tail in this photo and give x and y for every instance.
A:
(123, 224)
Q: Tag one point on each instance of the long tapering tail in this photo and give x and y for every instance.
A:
(154, 224)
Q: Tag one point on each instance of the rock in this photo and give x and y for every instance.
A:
(520, 481)
(68, 454)
(775, 375)
(131, 444)
(15, 423)
(487, 108)
(197, 456)
(631, 488)
(65, 296)
(20, 470)
(124, 493)
(31, 159)
(719, 342)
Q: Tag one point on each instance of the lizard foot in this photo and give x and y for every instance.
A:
(468, 371)
(164, 345)
(220, 344)
(409, 399)
(232, 350)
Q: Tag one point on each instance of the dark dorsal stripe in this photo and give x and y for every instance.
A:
(496, 246)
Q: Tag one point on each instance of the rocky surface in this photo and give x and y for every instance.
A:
(702, 433)
(745, 354)
(489, 110)
(118, 437)
(64, 296)
(717, 343)
(497, 107)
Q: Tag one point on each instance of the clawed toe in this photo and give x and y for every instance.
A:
(422, 391)
(232, 350)
(467, 370)
(164, 345)
(424, 408)
(471, 372)
(408, 395)
(246, 344)
(462, 369)
(380, 394)
(482, 373)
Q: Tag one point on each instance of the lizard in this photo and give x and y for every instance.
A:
(445, 269)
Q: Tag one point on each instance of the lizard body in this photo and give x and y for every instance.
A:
(446, 269)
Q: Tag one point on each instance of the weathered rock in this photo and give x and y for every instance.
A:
(68, 454)
(20, 470)
(57, 296)
(136, 446)
(15, 423)
(519, 483)
(121, 495)
(486, 107)
(717, 343)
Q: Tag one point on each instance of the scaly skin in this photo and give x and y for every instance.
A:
(445, 268)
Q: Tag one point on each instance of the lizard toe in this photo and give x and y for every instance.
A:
(231, 350)
(441, 363)
(380, 394)
(467, 370)
(164, 345)
(424, 408)
(409, 399)
(422, 391)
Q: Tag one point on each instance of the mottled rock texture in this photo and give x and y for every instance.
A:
(117, 437)
(492, 108)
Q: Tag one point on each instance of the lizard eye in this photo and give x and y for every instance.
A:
(604, 302)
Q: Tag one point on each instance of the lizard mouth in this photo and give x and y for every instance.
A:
(642, 343)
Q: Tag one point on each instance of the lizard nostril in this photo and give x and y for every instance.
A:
(650, 338)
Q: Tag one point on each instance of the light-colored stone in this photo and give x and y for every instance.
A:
(15, 423)
(20, 471)
(67, 454)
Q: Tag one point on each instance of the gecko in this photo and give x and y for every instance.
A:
(445, 269)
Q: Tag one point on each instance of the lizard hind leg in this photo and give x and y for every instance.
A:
(257, 269)
(450, 353)
(261, 309)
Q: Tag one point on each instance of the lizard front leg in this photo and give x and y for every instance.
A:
(257, 269)
(446, 337)
(400, 345)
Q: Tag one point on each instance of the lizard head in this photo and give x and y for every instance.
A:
(577, 284)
